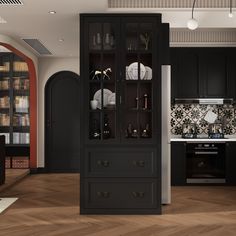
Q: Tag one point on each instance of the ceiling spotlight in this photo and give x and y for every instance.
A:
(52, 12)
(61, 40)
(230, 9)
(192, 23)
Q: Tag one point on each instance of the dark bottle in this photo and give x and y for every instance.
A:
(106, 128)
(129, 131)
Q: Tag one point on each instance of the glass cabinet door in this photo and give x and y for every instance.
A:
(102, 81)
(5, 98)
(138, 81)
(20, 117)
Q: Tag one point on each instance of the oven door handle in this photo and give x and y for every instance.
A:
(205, 153)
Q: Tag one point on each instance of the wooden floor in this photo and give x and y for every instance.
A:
(48, 205)
(13, 176)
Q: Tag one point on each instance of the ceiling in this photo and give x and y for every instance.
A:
(32, 20)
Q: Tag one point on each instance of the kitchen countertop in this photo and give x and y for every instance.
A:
(228, 138)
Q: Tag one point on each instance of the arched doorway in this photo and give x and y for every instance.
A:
(62, 122)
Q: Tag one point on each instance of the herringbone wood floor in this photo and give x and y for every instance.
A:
(49, 205)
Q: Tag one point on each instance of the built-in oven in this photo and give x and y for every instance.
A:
(205, 162)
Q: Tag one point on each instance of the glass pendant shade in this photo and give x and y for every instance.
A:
(192, 24)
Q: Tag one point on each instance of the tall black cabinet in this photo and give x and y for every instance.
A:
(121, 146)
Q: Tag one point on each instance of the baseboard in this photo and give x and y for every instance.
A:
(43, 170)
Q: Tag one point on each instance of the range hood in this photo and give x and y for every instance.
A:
(204, 101)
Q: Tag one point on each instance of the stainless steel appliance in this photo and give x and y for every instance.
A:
(166, 110)
(205, 162)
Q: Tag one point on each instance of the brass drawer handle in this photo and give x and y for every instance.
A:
(139, 163)
(103, 194)
(103, 163)
(138, 194)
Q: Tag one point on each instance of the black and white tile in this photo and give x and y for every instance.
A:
(195, 113)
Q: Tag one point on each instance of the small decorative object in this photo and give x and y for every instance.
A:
(145, 97)
(129, 131)
(98, 74)
(94, 104)
(136, 102)
(134, 134)
(133, 72)
(95, 75)
(98, 39)
(107, 41)
(145, 39)
(106, 128)
(95, 131)
(146, 132)
(189, 131)
(106, 73)
(112, 41)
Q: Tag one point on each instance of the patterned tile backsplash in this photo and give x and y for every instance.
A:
(195, 113)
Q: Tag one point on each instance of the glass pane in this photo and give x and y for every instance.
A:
(109, 37)
(95, 36)
(131, 36)
(145, 119)
(145, 36)
(94, 125)
(109, 125)
(146, 61)
(131, 125)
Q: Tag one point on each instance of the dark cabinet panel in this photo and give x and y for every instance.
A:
(213, 66)
(121, 193)
(121, 163)
(203, 73)
(178, 163)
(231, 163)
(185, 74)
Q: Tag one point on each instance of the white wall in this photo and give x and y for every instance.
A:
(46, 68)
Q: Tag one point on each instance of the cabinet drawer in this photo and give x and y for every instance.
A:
(121, 193)
(125, 163)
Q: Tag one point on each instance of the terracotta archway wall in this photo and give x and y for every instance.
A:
(33, 104)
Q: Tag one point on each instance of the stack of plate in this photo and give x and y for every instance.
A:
(132, 72)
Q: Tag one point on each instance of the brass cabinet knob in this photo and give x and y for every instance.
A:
(103, 194)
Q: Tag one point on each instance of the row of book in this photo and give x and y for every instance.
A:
(5, 102)
(7, 137)
(21, 120)
(18, 138)
(21, 104)
(19, 83)
(4, 119)
(5, 67)
(20, 66)
(4, 84)
(21, 138)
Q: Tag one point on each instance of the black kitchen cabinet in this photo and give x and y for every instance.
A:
(203, 73)
(121, 57)
(230, 163)
(178, 163)
(184, 73)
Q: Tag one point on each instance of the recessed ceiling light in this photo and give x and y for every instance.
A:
(61, 40)
(52, 12)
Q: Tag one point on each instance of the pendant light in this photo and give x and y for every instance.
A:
(230, 9)
(192, 23)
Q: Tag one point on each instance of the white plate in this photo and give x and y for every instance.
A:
(133, 71)
(98, 96)
(148, 75)
(112, 99)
